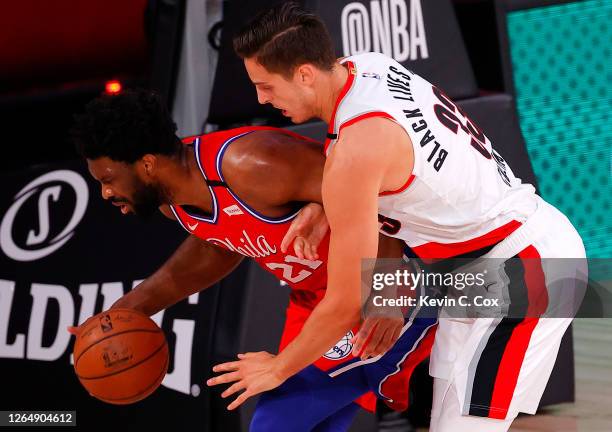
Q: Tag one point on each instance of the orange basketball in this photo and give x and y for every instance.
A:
(120, 356)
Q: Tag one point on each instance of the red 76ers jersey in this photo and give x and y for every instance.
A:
(239, 228)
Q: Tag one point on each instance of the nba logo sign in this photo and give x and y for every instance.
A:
(342, 348)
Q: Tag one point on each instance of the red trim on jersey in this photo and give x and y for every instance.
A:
(359, 118)
(448, 250)
(401, 189)
(363, 117)
(514, 353)
(347, 86)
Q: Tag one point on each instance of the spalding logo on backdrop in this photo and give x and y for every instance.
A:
(48, 187)
(46, 236)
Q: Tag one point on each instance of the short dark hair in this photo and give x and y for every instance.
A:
(125, 127)
(284, 37)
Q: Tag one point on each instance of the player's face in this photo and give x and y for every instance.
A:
(122, 185)
(294, 97)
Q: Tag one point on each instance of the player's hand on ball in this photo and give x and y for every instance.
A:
(377, 335)
(254, 373)
(306, 232)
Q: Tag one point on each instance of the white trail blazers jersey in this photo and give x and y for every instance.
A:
(461, 195)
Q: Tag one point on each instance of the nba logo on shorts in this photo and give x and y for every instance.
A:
(342, 348)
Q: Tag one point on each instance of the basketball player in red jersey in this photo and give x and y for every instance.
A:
(398, 147)
(237, 192)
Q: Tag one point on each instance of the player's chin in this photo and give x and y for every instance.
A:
(297, 118)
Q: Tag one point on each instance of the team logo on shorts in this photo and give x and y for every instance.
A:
(342, 349)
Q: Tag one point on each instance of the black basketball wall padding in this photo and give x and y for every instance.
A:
(443, 59)
(364, 24)
(234, 99)
(478, 26)
(164, 28)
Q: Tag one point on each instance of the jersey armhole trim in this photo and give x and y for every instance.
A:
(352, 122)
(401, 189)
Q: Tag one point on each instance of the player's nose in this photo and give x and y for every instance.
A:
(107, 192)
(262, 98)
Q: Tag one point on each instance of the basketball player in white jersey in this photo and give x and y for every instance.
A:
(401, 154)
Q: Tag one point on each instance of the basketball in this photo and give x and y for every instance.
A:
(120, 356)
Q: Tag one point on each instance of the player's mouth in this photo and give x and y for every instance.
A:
(283, 111)
(122, 206)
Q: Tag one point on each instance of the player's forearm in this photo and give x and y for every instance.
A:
(196, 265)
(327, 324)
(333, 317)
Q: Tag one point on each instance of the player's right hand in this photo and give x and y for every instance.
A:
(306, 232)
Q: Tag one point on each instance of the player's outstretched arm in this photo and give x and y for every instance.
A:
(194, 266)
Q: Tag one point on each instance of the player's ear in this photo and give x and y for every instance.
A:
(305, 74)
(149, 164)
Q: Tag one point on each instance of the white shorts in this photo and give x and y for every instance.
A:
(498, 367)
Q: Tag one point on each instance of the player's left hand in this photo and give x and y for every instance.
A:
(253, 372)
(377, 335)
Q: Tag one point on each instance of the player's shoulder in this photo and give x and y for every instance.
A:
(373, 129)
(252, 155)
(366, 58)
(268, 145)
(255, 147)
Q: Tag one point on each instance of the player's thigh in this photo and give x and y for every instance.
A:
(306, 400)
(339, 421)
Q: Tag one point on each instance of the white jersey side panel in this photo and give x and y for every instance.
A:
(460, 189)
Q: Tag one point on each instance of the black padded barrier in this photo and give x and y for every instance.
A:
(422, 34)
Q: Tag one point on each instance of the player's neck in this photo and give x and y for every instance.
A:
(331, 90)
(185, 185)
